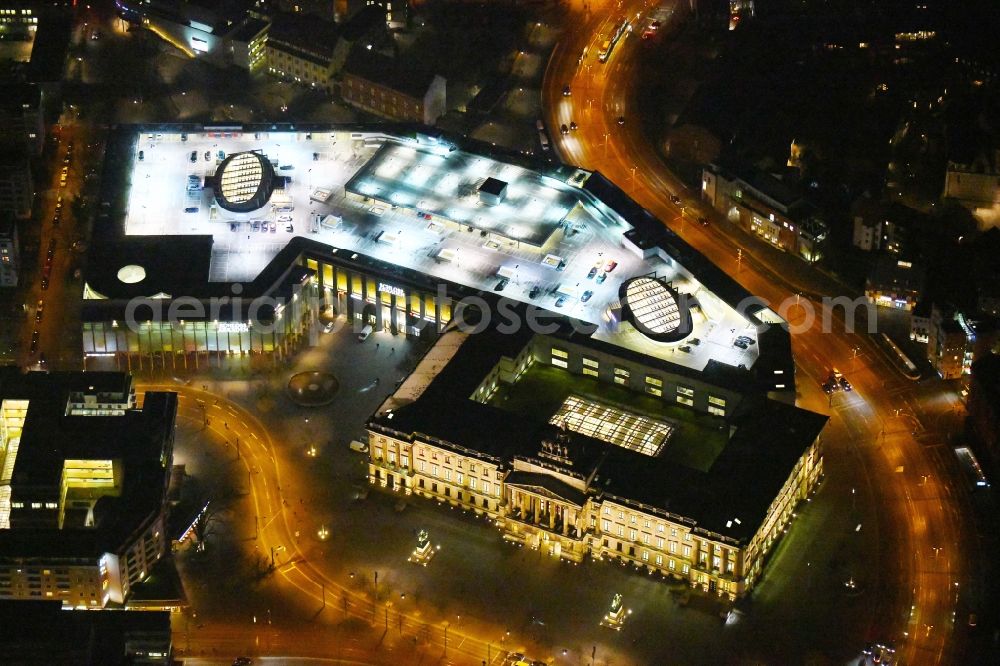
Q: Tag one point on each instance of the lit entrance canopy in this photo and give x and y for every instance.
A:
(654, 308)
(612, 425)
(244, 182)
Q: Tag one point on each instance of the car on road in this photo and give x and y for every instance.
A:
(563, 130)
(834, 382)
(883, 654)
(255, 226)
(39, 310)
(208, 155)
(191, 209)
(45, 283)
(703, 221)
(601, 278)
(365, 332)
(610, 266)
(290, 229)
(845, 385)
(561, 301)
(694, 341)
(740, 344)
(747, 339)
(685, 348)
(566, 91)
(586, 296)
(274, 227)
(242, 661)
(501, 284)
(621, 120)
(572, 125)
(535, 291)
(592, 273)
(221, 154)
(675, 200)
(142, 156)
(34, 342)
(194, 156)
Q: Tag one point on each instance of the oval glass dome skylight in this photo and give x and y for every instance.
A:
(244, 182)
(654, 309)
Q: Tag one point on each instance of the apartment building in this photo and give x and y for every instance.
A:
(17, 190)
(10, 255)
(767, 207)
(380, 85)
(83, 480)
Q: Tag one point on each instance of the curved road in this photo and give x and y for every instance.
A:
(920, 559)
(276, 537)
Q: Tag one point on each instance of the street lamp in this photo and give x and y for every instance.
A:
(323, 533)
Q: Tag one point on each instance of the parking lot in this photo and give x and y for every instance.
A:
(576, 270)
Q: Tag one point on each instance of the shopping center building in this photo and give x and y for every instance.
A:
(83, 483)
(223, 241)
(593, 384)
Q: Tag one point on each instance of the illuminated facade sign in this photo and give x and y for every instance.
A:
(233, 327)
(389, 289)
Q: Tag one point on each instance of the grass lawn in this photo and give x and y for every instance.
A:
(696, 441)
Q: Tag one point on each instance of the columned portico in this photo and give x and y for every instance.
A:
(545, 515)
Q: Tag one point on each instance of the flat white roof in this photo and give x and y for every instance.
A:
(244, 243)
(446, 185)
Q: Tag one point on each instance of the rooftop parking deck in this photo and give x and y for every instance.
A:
(576, 269)
(447, 185)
